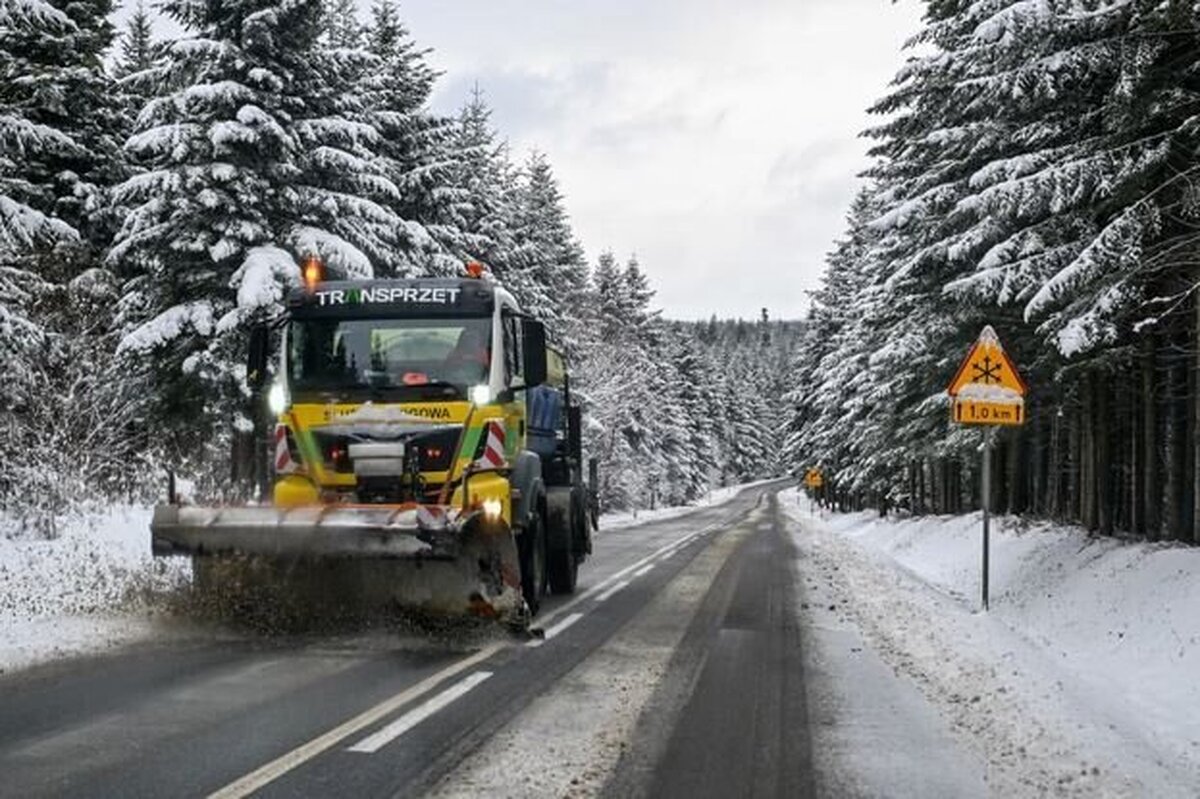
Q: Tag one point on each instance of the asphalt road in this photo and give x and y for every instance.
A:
(703, 603)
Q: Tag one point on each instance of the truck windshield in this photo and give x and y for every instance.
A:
(425, 358)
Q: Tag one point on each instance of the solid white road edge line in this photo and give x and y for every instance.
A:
(644, 570)
(556, 629)
(614, 589)
(302, 754)
(373, 743)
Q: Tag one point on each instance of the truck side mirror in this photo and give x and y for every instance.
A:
(257, 355)
(533, 351)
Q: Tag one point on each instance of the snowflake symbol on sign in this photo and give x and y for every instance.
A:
(986, 373)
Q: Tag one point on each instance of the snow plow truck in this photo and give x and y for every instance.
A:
(426, 453)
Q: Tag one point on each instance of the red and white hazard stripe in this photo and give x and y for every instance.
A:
(432, 517)
(493, 447)
(284, 464)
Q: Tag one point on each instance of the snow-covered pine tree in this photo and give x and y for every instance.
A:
(57, 122)
(57, 151)
(613, 377)
(138, 48)
(134, 70)
(255, 150)
(547, 250)
(343, 28)
(487, 190)
(688, 393)
(417, 146)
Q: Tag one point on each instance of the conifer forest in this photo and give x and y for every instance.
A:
(1036, 168)
(156, 196)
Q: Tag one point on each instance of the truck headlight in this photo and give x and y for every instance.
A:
(481, 395)
(277, 398)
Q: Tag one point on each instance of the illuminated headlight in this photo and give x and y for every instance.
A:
(277, 399)
(481, 395)
(492, 508)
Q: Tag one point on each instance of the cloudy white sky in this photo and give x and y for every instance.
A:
(716, 139)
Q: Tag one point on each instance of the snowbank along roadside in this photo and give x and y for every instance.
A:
(83, 591)
(1079, 682)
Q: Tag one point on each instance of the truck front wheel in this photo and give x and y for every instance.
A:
(563, 563)
(533, 560)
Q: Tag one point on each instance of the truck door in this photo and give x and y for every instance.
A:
(514, 379)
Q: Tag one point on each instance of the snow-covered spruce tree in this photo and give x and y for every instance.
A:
(57, 151)
(343, 29)
(613, 379)
(687, 390)
(57, 122)
(28, 225)
(486, 191)
(547, 251)
(255, 150)
(416, 145)
(134, 71)
(138, 48)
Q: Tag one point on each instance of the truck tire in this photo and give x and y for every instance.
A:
(532, 551)
(563, 566)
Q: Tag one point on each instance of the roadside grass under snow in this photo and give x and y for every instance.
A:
(92, 587)
(1087, 659)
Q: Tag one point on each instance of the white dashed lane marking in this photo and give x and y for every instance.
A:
(373, 743)
(614, 589)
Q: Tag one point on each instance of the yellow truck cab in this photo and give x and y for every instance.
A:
(411, 416)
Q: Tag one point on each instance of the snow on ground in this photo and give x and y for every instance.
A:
(83, 591)
(1080, 681)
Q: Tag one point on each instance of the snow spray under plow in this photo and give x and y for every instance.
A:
(284, 568)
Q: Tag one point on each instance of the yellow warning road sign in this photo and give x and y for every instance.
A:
(987, 388)
(813, 478)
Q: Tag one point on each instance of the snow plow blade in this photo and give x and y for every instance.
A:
(427, 558)
(305, 532)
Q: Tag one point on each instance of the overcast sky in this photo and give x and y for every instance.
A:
(716, 139)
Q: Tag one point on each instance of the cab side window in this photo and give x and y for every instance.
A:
(513, 368)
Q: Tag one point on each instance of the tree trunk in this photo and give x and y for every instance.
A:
(1150, 487)
(1102, 468)
(1086, 461)
(1174, 445)
(1054, 464)
(1195, 403)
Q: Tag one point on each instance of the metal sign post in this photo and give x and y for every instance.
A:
(987, 501)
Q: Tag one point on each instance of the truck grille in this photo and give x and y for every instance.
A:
(436, 450)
